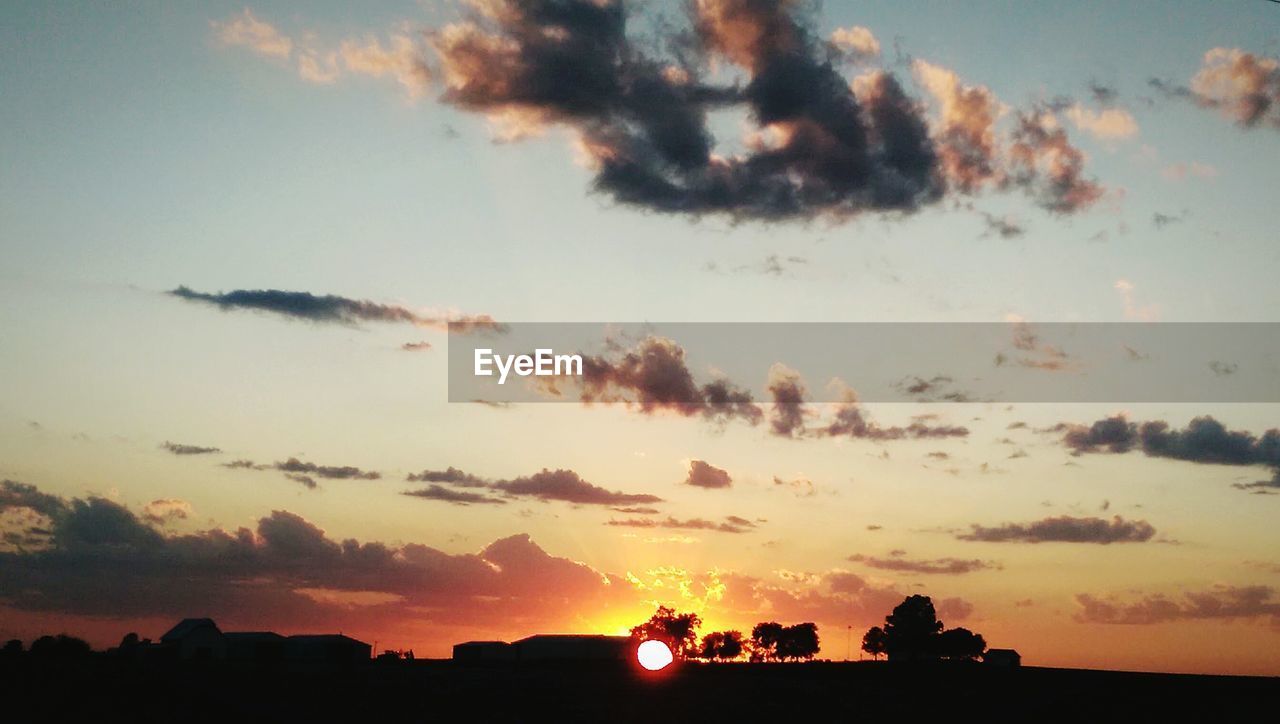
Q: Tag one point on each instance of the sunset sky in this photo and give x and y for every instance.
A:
(232, 237)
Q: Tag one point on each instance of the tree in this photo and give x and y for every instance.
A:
(61, 646)
(764, 641)
(723, 645)
(913, 631)
(910, 629)
(12, 648)
(679, 631)
(960, 644)
(798, 642)
(874, 641)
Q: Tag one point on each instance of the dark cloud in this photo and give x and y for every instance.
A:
(306, 480)
(180, 449)
(788, 392)
(1044, 162)
(1160, 220)
(654, 376)
(546, 485)
(849, 421)
(731, 524)
(1243, 86)
(702, 475)
(823, 146)
(103, 560)
(1064, 529)
(328, 308)
(1005, 227)
(1225, 603)
(1204, 440)
(1103, 95)
(415, 346)
(457, 497)
(943, 566)
(329, 472)
(451, 475)
(567, 486)
(635, 510)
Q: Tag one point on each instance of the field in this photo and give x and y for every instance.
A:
(443, 691)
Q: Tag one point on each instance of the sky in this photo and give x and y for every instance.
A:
(333, 183)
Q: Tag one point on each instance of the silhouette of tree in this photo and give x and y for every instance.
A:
(798, 642)
(679, 631)
(771, 641)
(764, 641)
(61, 646)
(874, 642)
(910, 629)
(722, 645)
(12, 647)
(960, 643)
(913, 631)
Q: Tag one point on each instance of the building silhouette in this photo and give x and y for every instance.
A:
(547, 648)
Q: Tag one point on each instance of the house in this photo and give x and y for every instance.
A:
(201, 639)
(483, 651)
(1006, 658)
(573, 647)
(258, 647)
(195, 639)
(326, 650)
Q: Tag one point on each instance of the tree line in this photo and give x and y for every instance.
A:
(769, 640)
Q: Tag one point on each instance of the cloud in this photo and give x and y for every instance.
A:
(103, 560)
(788, 393)
(330, 308)
(855, 44)
(1043, 161)
(329, 472)
(451, 475)
(545, 485)
(702, 475)
(306, 480)
(641, 121)
(1243, 86)
(966, 127)
(802, 487)
(258, 36)
(457, 497)
(1064, 529)
(941, 566)
(1221, 603)
(1109, 124)
(1005, 227)
(401, 60)
(1204, 440)
(654, 377)
(731, 524)
(415, 346)
(180, 449)
(849, 421)
(165, 510)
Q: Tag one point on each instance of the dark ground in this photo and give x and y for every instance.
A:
(106, 690)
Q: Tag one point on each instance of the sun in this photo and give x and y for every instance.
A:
(654, 655)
